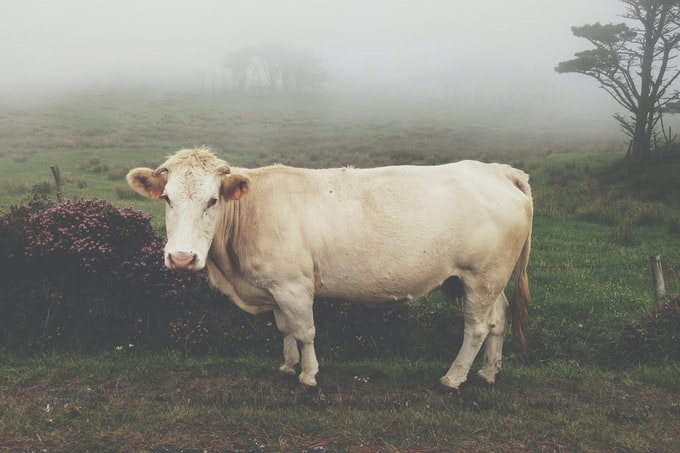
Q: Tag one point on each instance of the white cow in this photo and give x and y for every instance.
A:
(274, 238)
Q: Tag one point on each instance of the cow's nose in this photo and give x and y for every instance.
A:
(182, 260)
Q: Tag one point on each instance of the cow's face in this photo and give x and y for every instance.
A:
(194, 198)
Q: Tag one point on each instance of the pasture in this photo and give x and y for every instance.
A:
(596, 224)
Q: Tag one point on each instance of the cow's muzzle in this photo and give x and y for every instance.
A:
(183, 260)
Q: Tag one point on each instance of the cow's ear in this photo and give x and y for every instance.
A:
(234, 186)
(147, 182)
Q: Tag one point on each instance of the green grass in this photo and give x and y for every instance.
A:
(597, 223)
(585, 287)
(134, 402)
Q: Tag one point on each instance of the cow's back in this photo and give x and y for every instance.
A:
(391, 233)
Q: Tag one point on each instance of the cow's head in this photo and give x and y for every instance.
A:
(195, 186)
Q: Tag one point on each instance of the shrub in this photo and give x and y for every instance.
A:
(673, 226)
(654, 338)
(12, 237)
(42, 188)
(89, 275)
(433, 328)
(546, 205)
(80, 183)
(649, 214)
(349, 330)
(92, 235)
(117, 172)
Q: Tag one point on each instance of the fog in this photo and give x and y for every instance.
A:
(449, 49)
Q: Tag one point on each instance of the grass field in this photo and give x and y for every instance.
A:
(597, 223)
(125, 401)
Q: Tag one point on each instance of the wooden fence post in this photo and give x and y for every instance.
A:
(58, 182)
(657, 275)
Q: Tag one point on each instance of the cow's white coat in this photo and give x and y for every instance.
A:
(275, 238)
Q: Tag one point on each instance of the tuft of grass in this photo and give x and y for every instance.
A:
(93, 165)
(623, 232)
(42, 188)
(13, 187)
(117, 172)
(125, 192)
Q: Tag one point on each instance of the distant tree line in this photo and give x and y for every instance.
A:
(273, 67)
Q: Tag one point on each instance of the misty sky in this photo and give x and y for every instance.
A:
(46, 44)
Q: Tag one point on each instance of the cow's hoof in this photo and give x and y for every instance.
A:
(289, 370)
(448, 383)
(305, 390)
(448, 392)
(488, 377)
(308, 379)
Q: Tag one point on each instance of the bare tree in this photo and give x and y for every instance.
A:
(269, 57)
(302, 69)
(634, 63)
(277, 65)
(238, 62)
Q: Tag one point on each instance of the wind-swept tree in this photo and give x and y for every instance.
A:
(634, 63)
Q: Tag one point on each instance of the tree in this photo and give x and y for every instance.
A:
(238, 62)
(634, 63)
(277, 65)
(301, 69)
(269, 57)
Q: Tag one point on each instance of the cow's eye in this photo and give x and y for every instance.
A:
(212, 202)
(166, 198)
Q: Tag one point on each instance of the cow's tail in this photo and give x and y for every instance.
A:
(519, 302)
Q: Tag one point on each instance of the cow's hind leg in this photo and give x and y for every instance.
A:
(476, 310)
(493, 351)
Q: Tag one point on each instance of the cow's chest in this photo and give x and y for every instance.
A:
(250, 295)
(250, 290)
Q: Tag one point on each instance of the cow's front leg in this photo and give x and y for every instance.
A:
(295, 320)
(291, 355)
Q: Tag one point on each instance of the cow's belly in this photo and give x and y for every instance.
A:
(385, 299)
(376, 284)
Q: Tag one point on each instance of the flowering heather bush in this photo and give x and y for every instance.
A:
(12, 237)
(91, 234)
(86, 274)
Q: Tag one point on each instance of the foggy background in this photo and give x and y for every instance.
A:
(498, 52)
